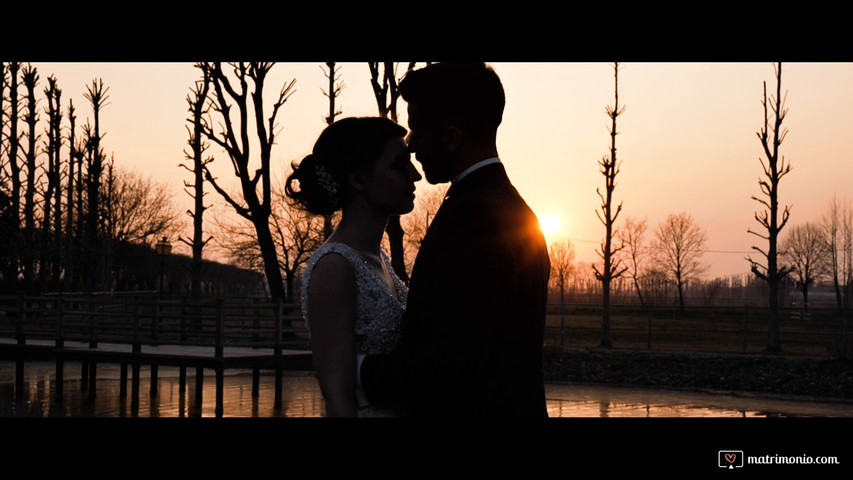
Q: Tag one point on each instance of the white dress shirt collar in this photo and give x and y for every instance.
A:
(476, 166)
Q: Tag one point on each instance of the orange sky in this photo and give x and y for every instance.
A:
(687, 138)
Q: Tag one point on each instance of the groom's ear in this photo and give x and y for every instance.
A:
(451, 138)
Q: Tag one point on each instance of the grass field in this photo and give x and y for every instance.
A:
(712, 329)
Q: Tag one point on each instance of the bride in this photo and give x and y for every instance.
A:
(352, 301)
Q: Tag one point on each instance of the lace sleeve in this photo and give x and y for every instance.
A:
(379, 311)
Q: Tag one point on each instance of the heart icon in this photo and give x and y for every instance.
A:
(730, 457)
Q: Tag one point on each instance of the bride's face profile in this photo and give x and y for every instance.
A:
(390, 185)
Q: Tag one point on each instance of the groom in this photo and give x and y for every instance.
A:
(474, 322)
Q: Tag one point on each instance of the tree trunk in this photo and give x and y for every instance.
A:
(30, 82)
(12, 121)
(268, 252)
(290, 276)
(395, 236)
(639, 292)
(606, 341)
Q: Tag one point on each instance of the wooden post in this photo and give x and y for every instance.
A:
(86, 368)
(182, 372)
(256, 382)
(134, 388)
(137, 349)
(220, 328)
(84, 375)
(199, 386)
(277, 353)
(154, 373)
(93, 367)
(256, 339)
(220, 385)
(122, 388)
(220, 350)
(20, 333)
(59, 344)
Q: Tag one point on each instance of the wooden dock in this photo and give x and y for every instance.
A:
(135, 331)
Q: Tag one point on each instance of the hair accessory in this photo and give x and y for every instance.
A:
(329, 185)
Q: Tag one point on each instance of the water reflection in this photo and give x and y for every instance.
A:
(302, 398)
(608, 401)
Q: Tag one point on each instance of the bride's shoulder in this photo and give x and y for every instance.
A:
(329, 249)
(335, 256)
(329, 274)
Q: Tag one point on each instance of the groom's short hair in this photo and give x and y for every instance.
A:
(469, 93)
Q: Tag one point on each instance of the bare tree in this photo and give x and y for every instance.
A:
(30, 78)
(11, 212)
(775, 168)
(81, 152)
(416, 222)
(385, 88)
(52, 203)
(336, 86)
(634, 254)
(837, 226)
(386, 91)
(97, 96)
(74, 201)
(678, 250)
(140, 209)
(805, 250)
(3, 82)
(197, 100)
(609, 167)
(296, 234)
(299, 234)
(8, 227)
(70, 211)
(8, 218)
(562, 255)
(255, 206)
(14, 138)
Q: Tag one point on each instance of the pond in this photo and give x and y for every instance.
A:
(302, 398)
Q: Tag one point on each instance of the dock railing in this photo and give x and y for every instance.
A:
(137, 330)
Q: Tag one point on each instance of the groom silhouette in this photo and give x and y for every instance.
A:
(474, 322)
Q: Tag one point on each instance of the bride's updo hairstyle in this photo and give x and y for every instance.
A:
(319, 182)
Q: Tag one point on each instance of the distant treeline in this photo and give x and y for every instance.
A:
(70, 218)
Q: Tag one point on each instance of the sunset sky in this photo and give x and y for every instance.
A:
(687, 139)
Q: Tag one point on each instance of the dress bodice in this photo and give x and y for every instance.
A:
(379, 311)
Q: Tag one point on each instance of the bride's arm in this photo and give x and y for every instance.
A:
(331, 314)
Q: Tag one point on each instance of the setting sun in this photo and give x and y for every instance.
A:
(550, 224)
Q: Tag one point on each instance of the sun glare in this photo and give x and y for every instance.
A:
(550, 224)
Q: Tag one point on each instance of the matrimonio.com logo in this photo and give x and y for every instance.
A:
(730, 459)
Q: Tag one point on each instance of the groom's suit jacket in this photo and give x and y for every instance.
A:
(474, 322)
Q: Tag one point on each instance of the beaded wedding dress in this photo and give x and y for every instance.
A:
(379, 311)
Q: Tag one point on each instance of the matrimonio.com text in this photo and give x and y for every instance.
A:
(732, 459)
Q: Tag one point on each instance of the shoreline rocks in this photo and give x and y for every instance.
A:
(816, 377)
